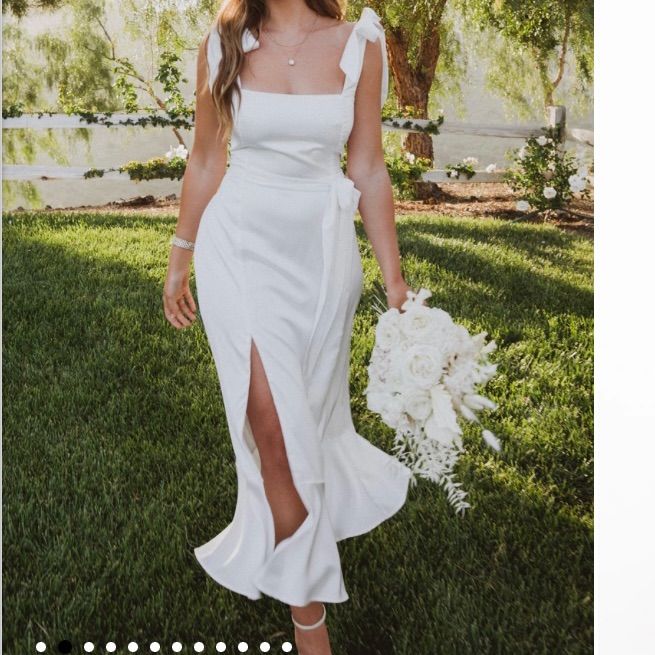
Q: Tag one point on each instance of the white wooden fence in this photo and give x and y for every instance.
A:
(556, 118)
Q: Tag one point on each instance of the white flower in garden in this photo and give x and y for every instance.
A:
(523, 151)
(410, 157)
(523, 205)
(549, 192)
(423, 366)
(492, 168)
(453, 173)
(179, 151)
(387, 330)
(542, 140)
(577, 183)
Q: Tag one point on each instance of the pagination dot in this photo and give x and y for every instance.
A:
(40, 647)
(264, 647)
(243, 646)
(177, 646)
(110, 647)
(287, 647)
(198, 646)
(133, 647)
(88, 647)
(221, 647)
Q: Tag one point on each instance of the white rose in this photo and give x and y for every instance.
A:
(387, 330)
(418, 404)
(418, 323)
(576, 183)
(549, 192)
(523, 205)
(179, 151)
(542, 140)
(423, 366)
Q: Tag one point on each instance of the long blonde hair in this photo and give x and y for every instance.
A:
(233, 17)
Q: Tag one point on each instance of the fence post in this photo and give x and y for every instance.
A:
(556, 115)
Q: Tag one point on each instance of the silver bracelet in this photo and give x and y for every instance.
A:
(182, 243)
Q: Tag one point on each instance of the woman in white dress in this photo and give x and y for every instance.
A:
(284, 85)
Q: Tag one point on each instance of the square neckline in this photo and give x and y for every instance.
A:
(341, 94)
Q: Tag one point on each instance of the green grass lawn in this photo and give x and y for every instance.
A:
(117, 460)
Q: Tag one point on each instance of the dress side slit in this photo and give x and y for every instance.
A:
(265, 425)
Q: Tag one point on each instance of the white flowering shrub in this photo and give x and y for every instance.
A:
(465, 167)
(546, 176)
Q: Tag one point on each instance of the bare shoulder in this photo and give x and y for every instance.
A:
(337, 29)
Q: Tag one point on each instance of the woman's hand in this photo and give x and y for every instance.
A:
(179, 305)
(397, 294)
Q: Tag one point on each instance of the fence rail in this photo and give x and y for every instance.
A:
(556, 117)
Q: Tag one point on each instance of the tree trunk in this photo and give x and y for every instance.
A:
(413, 82)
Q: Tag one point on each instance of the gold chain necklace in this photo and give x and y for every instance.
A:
(291, 60)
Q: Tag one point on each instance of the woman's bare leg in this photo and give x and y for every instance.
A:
(286, 505)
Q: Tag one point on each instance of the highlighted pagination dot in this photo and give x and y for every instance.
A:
(287, 647)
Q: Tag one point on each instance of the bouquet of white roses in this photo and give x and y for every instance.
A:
(424, 374)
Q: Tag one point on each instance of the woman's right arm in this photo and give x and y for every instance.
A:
(204, 171)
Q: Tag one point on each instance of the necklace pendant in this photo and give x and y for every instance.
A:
(292, 62)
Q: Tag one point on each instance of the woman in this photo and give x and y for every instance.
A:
(279, 276)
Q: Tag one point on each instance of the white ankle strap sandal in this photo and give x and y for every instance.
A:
(318, 623)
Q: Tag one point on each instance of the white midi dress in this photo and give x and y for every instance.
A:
(276, 262)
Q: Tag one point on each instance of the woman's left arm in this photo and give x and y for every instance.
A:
(367, 170)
